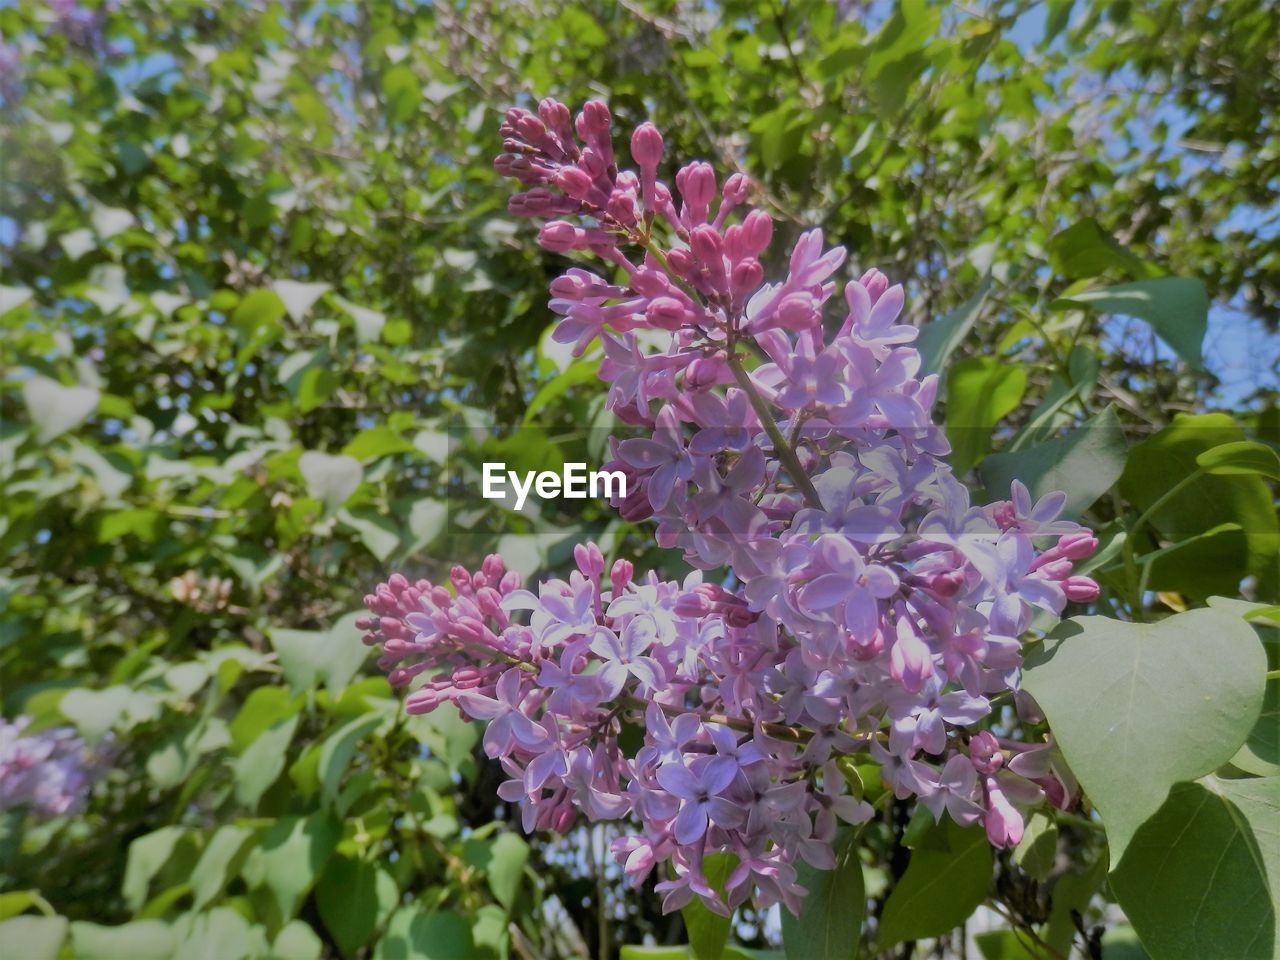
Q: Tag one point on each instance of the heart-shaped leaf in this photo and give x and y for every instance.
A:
(299, 297)
(1138, 707)
(55, 408)
(330, 479)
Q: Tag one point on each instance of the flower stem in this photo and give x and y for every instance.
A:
(780, 445)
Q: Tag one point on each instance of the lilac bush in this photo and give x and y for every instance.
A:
(871, 612)
(49, 773)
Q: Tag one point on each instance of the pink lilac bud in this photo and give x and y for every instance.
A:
(747, 276)
(736, 189)
(706, 244)
(1078, 546)
(646, 146)
(621, 575)
(697, 185)
(666, 313)
(757, 231)
(1081, 589)
(594, 120)
(705, 372)
(984, 751)
(876, 283)
(559, 236)
(555, 115)
(573, 181)
(1002, 821)
(681, 261)
(590, 560)
(649, 283)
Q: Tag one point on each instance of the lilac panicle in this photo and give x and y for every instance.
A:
(872, 611)
(49, 773)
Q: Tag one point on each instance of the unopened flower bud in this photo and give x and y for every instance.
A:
(559, 236)
(665, 313)
(1078, 546)
(757, 231)
(594, 120)
(646, 146)
(707, 245)
(736, 189)
(1081, 589)
(697, 184)
(573, 181)
(984, 751)
(875, 282)
(649, 283)
(554, 114)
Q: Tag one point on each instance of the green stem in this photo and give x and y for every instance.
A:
(1137, 585)
(780, 445)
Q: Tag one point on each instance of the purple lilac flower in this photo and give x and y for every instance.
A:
(873, 610)
(49, 772)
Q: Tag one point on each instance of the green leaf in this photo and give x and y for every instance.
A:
(220, 934)
(354, 898)
(298, 298)
(415, 935)
(338, 750)
(297, 941)
(1084, 464)
(1176, 307)
(1207, 503)
(375, 442)
(258, 313)
(369, 323)
(95, 712)
(263, 707)
(290, 857)
(33, 938)
(980, 392)
(1084, 249)
(220, 861)
(1138, 707)
(830, 923)
(1261, 753)
(939, 338)
(1038, 850)
(312, 656)
(1008, 945)
(427, 521)
(263, 761)
(579, 372)
(402, 93)
(147, 855)
(54, 408)
(140, 940)
(315, 387)
(331, 480)
(654, 953)
(13, 297)
(1072, 891)
(1196, 880)
(1240, 458)
(378, 533)
(508, 856)
(946, 880)
(709, 932)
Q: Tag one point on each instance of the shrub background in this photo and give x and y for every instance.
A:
(256, 266)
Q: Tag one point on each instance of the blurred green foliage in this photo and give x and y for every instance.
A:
(257, 271)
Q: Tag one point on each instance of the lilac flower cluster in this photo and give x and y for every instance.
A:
(49, 772)
(871, 611)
